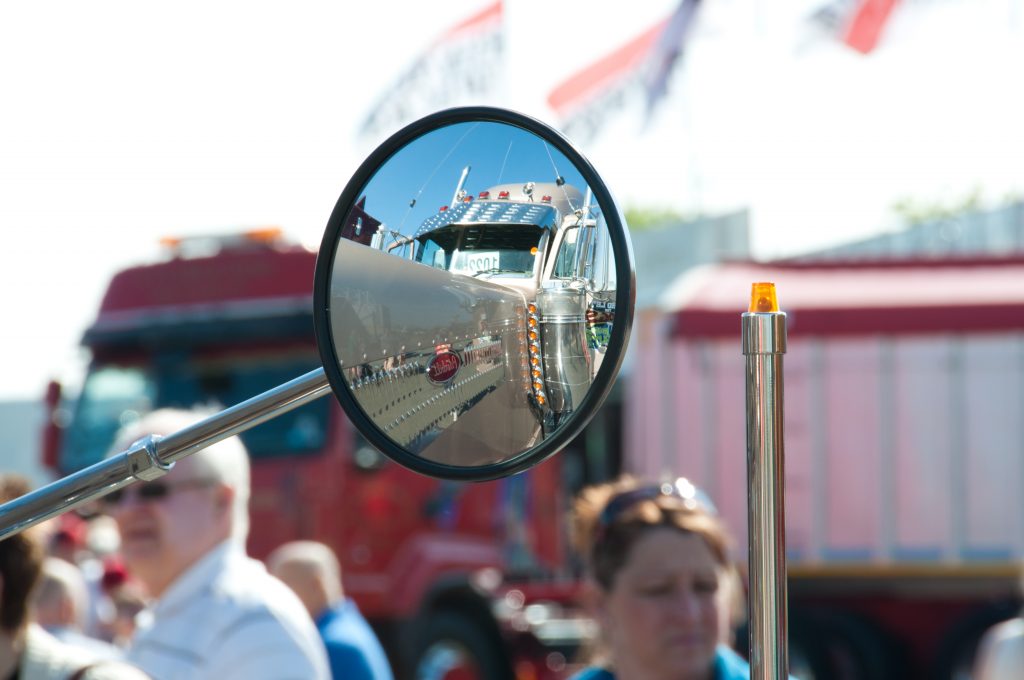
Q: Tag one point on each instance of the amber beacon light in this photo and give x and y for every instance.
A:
(764, 343)
(762, 297)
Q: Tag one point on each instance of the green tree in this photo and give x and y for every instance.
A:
(639, 218)
(913, 211)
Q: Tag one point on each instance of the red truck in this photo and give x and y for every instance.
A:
(460, 580)
(904, 431)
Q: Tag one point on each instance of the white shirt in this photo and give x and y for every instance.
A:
(47, 658)
(1001, 656)
(225, 618)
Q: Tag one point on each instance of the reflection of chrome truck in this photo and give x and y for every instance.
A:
(543, 241)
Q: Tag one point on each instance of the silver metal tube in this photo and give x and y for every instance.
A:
(71, 491)
(764, 343)
(241, 417)
(585, 241)
(458, 187)
(152, 457)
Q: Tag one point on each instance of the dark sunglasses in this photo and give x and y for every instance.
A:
(151, 492)
(692, 498)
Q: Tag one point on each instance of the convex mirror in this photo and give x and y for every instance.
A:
(473, 294)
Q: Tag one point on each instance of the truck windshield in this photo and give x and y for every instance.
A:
(114, 396)
(111, 396)
(482, 248)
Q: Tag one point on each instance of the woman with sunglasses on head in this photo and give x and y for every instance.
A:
(661, 585)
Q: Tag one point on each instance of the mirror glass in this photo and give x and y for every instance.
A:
(471, 296)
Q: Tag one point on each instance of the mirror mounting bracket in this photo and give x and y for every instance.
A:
(144, 461)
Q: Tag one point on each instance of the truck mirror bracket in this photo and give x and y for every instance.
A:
(447, 374)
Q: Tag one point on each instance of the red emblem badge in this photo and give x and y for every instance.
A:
(443, 367)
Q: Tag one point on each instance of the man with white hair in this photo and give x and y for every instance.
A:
(311, 570)
(60, 604)
(217, 614)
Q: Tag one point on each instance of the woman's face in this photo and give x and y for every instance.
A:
(662, 614)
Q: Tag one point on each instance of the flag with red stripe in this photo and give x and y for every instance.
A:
(638, 69)
(857, 23)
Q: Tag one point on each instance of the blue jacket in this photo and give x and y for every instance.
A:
(728, 666)
(352, 647)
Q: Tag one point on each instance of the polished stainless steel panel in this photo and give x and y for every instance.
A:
(391, 318)
(567, 362)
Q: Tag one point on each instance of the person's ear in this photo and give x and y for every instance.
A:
(66, 610)
(323, 589)
(223, 498)
(593, 598)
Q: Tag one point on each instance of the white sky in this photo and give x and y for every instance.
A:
(121, 122)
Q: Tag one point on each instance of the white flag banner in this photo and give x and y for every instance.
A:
(457, 68)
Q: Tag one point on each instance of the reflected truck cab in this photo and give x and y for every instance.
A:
(547, 242)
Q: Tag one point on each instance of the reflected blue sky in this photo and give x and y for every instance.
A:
(414, 183)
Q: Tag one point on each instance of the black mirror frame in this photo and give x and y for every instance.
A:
(624, 296)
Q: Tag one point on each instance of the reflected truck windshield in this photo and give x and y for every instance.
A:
(478, 248)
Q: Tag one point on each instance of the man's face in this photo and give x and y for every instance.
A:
(168, 524)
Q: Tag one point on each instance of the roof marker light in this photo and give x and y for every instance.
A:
(264, 234)
(762, 297)
(442, 208)
(545, 199)
(484, 194)
(502, 194)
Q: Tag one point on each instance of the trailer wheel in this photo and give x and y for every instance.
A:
(825, 646)
(956, 655)
(451, 646)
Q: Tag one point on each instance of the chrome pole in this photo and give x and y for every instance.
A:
(764, 343)
(153, 456)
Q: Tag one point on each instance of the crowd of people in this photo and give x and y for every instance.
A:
(181, 599)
